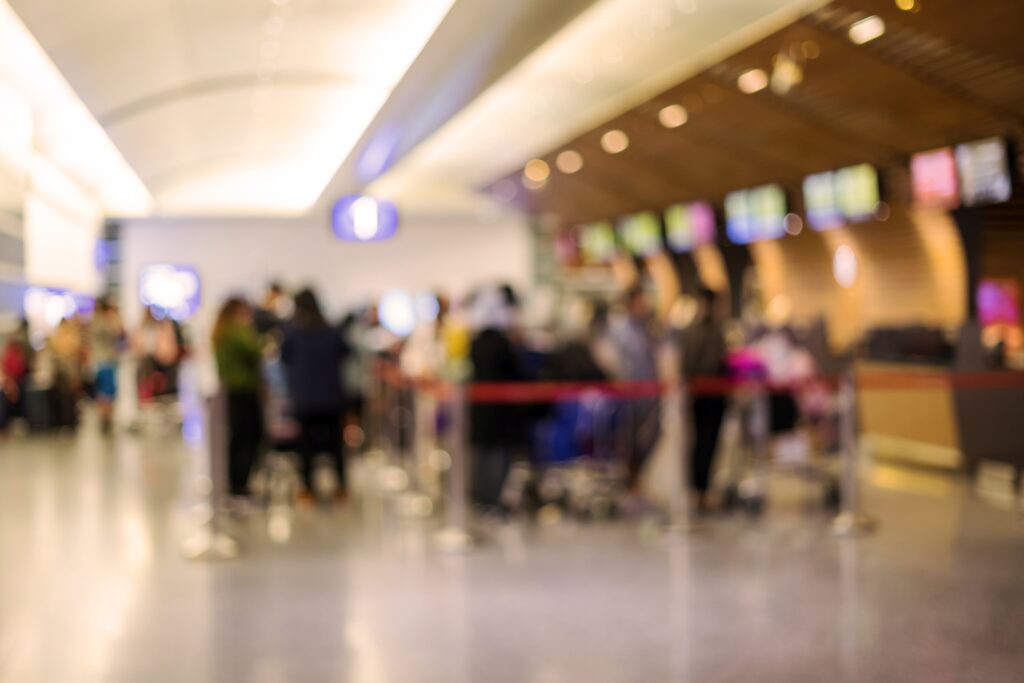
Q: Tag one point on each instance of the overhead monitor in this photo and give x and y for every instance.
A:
(984, 171)
(688, 226)
(820, 201)
(756, 214)
(858, 192)
(641, 233)
(934, 178)
(597, 243)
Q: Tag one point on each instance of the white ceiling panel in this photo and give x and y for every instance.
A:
(233, 106)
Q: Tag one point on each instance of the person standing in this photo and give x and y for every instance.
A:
(704, 357)
(494, 427)
(105, 338)
(313, 353)
(636, 357)
(239, 365)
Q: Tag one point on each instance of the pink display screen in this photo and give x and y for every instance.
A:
(999, 302)
(935, 179)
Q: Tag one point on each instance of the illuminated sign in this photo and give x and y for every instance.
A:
(688, 226)
(597, 243)
(935, 180)
(984, 172)
(641, 233)
(358, 218)
(170, 290)
(837, 197)
(756, 214)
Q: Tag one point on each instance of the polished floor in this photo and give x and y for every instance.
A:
(93, 588)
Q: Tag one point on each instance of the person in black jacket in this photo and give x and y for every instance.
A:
(494, 426)
(312, 354)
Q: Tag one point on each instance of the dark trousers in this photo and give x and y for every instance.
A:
(491, 464)
(708, 412)
(320, 434)
(245, 435)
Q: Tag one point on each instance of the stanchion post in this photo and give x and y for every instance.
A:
(680, 507)
(852, 521)
(213, 542)
(455, 536)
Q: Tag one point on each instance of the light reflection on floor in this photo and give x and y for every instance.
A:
(93, 588)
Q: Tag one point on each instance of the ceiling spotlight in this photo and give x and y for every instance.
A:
(811, 49)
(907, 5)
(794, 224)
(537, 171)
(752, 81)
(569, 162)
(615, 141)
(786, 75)
(673, 116)
(867, 29)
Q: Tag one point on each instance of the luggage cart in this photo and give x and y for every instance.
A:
(778, 434)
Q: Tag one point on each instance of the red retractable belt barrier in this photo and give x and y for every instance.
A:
(546, 392)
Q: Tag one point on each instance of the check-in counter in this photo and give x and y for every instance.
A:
(908, 412)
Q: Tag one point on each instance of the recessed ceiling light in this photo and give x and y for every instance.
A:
(752, 81)
(537, 170)
(673, 116)
(794, 224)
(615, 141)
(867, 29)
(811, 49)
(907, 5)
(570, 161)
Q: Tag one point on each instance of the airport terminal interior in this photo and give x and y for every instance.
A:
(403, 341)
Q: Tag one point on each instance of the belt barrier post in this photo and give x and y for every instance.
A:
(455, 536)
(680, 507)
(213, 542)
(852, 521)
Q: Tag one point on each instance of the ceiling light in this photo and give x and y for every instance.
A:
(569, 162)
(867, 29)
(786, 75)
(537, 171)
(811, 49)
(907, 5)
(752, 81)
(673, 116)
(615, 142)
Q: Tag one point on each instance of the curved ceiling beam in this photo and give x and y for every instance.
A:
(305, 79)
(202, 166)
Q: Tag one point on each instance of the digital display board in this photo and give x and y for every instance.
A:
(641, 233)
(688, 226)
(756, 214)
(984, 171)
(835, 198)
(934, 178)
(597, 243)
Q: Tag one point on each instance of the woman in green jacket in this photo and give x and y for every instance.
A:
(240, 368)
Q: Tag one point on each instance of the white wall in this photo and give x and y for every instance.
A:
(235, 256)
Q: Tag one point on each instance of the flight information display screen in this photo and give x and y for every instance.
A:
(756, 214)
(597, 243)
(984, 171)
(835, 198)
(641, 233)
(934, 178)
(688, 226)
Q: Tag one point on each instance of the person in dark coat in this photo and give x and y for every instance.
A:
(704, 357)
(312, 354)
(494, 427)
